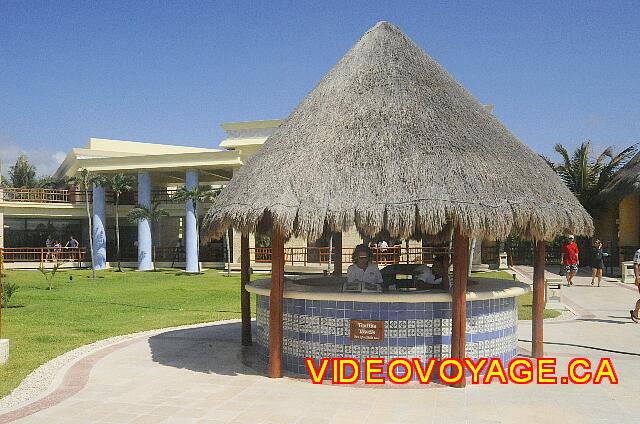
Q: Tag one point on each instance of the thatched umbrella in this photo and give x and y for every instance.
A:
(625, 182)
(388, 140)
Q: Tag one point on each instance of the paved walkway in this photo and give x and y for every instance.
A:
(200, 375)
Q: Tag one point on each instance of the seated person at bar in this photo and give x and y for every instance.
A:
(430, 277)
(363, 271)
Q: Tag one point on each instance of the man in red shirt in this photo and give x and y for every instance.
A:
(570, 259)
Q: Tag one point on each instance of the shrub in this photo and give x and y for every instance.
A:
(8, 290)
(48, 275)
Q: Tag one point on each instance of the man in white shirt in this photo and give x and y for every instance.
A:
(383, 245)
(430, 277)
(363, 270)
(636, 273)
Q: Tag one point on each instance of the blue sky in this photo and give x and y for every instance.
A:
(171, 72)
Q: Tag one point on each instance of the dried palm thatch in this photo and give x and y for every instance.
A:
(625, 182)
(389, 140)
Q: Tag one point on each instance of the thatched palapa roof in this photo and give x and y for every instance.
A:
(626, 181)
(389, 140)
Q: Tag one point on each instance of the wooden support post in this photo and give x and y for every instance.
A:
(459, 297)
(445, 283)
(537, 340)
(245, 297)
(275, 303)
(337, 246)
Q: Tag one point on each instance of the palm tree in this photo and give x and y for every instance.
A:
(586, 176)
(196, 195)
(119, 183)
(84, 180)
(153, 215)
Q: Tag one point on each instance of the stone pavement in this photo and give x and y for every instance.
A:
(201, 375)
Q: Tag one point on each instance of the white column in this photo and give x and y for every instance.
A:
(99, 224)
(190, 225)
(1, 227)
(145, 249)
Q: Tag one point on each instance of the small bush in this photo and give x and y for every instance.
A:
(8, 289)
(49, 275)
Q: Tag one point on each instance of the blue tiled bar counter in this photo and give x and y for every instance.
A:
(317, 320)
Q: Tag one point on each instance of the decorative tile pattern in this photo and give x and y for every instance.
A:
(317, 329)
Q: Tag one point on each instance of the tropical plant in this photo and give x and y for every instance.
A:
(153, 215)
(195, 195)
(51, 182)
(9, 289)
(22, 174)
(119, 183)
(587, 176)
(84, 180)
(49, 275)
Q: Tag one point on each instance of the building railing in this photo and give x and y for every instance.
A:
(43, 255)
(208, 253)
(41, 195)
(320, 255)
(73, 196)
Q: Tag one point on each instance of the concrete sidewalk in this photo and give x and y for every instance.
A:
(201, 375)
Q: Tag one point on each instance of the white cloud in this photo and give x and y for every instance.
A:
(46, 161)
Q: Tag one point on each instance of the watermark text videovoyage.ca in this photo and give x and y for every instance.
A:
(453, 370)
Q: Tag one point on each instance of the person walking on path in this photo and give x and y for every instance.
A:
(636, 273)
(597, 261)
(48, 244)
(570, 259)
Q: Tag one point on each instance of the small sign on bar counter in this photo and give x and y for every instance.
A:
(366, 330)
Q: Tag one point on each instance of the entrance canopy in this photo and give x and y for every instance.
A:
(168, 163)
(388, 140)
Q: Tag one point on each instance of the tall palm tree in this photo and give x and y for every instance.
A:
(196, 195)
(153, 215)
(84, 180)
(587, 176)
(119, 183)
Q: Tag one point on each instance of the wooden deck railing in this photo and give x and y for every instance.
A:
(320, 255)
(43, 255)
(41, 195)
(45, 195)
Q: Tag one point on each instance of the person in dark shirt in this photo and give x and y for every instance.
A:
(597, 262)
(72, 243)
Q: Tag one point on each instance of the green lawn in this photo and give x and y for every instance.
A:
(525, 301)
(46, 323)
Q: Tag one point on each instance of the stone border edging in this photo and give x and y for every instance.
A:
(65, 375)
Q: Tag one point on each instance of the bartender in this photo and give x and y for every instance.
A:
(431, 277)
(363, 269)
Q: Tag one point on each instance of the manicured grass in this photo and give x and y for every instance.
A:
(76, 312)
(525, 301)
(46, 324)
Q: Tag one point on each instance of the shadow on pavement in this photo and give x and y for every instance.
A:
(214, 349)
(608, 321)
(602, 349)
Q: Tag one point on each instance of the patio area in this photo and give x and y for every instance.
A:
(202, 375)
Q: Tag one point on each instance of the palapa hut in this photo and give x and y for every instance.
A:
(388, 140)
(620, 221)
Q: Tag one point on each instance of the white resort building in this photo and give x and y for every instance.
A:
(28, 217)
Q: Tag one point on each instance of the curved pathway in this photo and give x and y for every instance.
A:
(202, 375)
